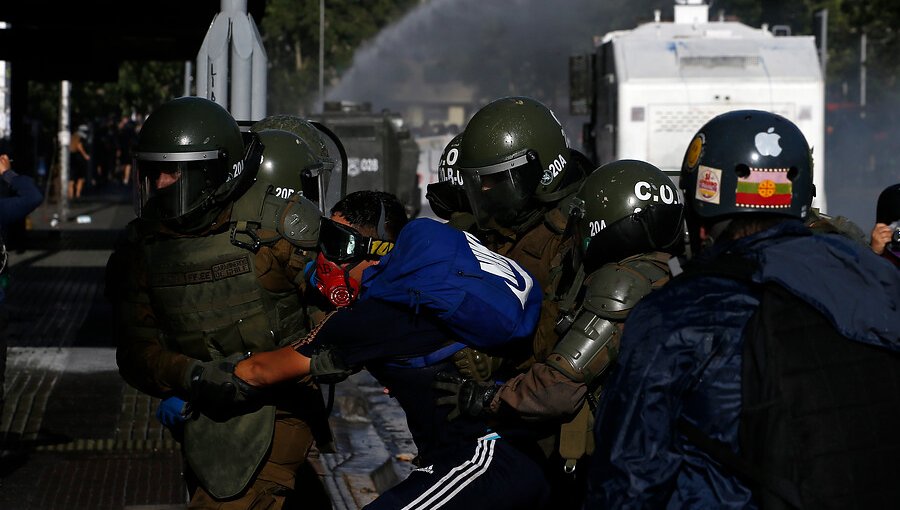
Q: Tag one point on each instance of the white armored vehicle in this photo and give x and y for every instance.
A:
(648, 90)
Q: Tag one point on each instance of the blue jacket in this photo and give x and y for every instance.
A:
(681, 358)
(25, 198)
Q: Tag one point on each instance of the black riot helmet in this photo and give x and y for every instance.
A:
(625, 208)
(447, 196)
(190, 162)
(747, 161)
(514, 156)
(887, 210)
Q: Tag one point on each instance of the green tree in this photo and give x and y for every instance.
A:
(847, 21)
(290, 31)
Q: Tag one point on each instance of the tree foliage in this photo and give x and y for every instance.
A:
(290, 31)
(847, 21)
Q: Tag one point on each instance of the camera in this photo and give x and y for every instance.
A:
(895, 235)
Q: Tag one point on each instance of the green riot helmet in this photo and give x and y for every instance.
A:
(324, 144)
(747, 161)
(625, 208)
(447, 196)
(190, 161)
(514, 156)
(289, 165)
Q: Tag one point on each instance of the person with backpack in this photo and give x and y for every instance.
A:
(766, 374)
(434, 291)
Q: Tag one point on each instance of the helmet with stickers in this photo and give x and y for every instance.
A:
(514, 156)
(748, 161)
(189, 163)
(447, 196)
(625, 208)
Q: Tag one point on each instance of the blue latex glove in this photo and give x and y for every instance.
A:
(173, 411)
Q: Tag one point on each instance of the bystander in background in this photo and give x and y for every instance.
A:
(23, 198)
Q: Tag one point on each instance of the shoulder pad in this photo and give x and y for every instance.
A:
(137, 231)
(556, 220)
(613, 290)
(298, 222)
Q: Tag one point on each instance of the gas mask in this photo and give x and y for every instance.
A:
(342, 248)
(334, 281)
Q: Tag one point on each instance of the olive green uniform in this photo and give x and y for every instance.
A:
(178, 299)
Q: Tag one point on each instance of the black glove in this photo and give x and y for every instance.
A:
(214, 389)
(327, 367)
(467, 396)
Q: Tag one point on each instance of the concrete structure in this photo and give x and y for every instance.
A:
(231, 63)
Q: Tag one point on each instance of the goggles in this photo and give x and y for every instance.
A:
(341, 243)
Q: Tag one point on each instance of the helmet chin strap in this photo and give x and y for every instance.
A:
(715, 231)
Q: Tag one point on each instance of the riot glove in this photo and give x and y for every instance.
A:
(467, 396)
(327, 367)
(214, 389)
(474, 364)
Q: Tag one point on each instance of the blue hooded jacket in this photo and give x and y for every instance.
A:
(681, 358)
(25, 198)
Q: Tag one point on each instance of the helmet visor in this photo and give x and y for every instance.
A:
(499, 193)
(315, 180)
(171, 185)
(446, 198)
(334, 187)
(342, 243)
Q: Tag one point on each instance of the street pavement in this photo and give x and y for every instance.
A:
(75, 436)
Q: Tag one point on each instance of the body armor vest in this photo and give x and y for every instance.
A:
(210, 303)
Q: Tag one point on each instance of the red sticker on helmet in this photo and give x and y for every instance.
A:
(765, 188)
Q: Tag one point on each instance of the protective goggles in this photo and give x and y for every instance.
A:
(341, 243)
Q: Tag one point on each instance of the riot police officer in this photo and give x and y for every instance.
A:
(184, 292)
(627, 222)
(447, 197)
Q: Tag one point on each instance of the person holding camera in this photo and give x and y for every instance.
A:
(886, 233)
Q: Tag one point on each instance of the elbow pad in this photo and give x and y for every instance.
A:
(591, 342)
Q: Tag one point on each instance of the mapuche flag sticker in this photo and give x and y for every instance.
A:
(766, 188)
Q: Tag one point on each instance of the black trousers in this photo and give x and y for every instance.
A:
(489, 473)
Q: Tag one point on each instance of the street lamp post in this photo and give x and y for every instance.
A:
(321, 55)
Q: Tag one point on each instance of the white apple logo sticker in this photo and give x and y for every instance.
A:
(767, 143)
